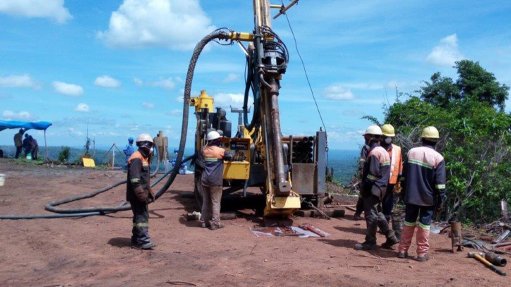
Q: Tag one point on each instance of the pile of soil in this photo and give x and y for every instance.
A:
(95, 251)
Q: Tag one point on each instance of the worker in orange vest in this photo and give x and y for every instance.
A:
(396, 171)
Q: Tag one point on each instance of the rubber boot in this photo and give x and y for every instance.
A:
(391, 240)
(406, 240)
(422, 240)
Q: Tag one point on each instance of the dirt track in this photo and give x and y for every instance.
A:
(95, 251)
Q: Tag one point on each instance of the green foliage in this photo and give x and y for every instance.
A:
(475, 137)
(64, 154)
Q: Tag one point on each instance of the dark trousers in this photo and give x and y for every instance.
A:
(360, 206)
(374, 219)
(422, 213)
(211, 198)
(18, 151)
(140, 231)
(388, 202)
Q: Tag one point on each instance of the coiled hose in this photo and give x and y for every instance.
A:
(83, 212)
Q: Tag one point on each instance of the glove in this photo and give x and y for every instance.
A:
(151, 198)
(397, 188)
(439, 202)
(140, 194)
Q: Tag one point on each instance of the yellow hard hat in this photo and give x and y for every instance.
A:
(430, 133)
(388, 130)
(373, 130)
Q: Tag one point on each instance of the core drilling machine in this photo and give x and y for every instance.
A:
(289, 170)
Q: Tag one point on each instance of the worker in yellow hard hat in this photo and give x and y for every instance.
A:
(425, 179)
(375, 178)
(396, 170)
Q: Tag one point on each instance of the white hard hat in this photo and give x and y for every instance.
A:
(373, 130)
(144, 138)
(212, 135)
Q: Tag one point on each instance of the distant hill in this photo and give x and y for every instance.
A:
(343, 162)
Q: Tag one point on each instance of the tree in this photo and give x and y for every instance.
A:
(475, 137)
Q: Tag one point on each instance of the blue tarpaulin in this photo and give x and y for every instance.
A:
(26, 125)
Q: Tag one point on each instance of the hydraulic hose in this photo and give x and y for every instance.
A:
(217, 34)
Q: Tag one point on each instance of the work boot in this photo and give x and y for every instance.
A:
(402, 254)
(422, 258)
(391, 240)
(215, 226)
(357, 216)
(144, 246)
(365, 246)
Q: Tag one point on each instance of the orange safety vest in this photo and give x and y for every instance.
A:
(396, 163)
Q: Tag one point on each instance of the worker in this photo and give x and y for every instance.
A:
(139, 192)
(396, 172)
(34, 147)
(363, 156)
(27, 146)
(161, 142)
(425, 179)
(212, 181)
(18, 143)
(128, 150)
(375, 177)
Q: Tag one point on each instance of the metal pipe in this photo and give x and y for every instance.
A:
(281, 178)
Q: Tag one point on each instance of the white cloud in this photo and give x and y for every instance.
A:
(17, 81)
(227, 100)
(67, 89)
(167, 84)
(148, 105)
(138, 81)
(53, 9)
(107, 82)
(231, 78)
(173, 24)
(10, 115)
(82, 108)
(75, 132)
(446, 52)
(338, 92)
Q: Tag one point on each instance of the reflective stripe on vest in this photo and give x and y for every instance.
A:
(395, 164)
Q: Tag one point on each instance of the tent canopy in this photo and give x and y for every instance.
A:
(26, 125)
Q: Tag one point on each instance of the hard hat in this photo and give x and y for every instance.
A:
(388, 130)
(430, 133)
(212, 135)
(373, 130)
(144, 138)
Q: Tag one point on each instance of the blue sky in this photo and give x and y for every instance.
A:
(117, 68)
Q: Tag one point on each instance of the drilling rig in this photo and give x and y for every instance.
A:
(289, 170)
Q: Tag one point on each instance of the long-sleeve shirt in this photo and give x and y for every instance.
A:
(138, 175)
(425, 176)
(375, 176)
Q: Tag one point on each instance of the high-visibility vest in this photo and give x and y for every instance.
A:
(396, 163)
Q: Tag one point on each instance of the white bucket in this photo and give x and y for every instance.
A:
(2, 179)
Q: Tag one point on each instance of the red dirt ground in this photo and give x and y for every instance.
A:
(95, 251)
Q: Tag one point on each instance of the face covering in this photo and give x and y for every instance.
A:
(388, 140)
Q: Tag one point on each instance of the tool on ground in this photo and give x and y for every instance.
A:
(481, 259)
(310, 227)
(456, 236)
(495, 259)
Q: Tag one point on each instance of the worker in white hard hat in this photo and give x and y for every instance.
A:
(396, 172)
(212, 181)
(139, 192)
(363, 156)
(375, 177)
(425, 179)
